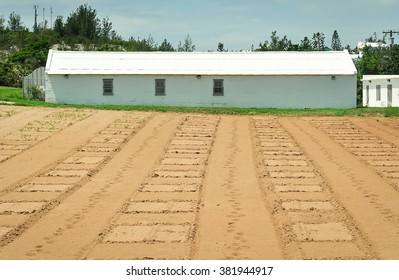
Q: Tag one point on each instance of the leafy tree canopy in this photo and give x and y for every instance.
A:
(336, 42)
(187, 46)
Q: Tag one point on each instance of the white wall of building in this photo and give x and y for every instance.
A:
(239, 91)
(370, 96)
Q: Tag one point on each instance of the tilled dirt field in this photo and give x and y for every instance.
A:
(85, 184)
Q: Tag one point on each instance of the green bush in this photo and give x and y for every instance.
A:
(35, 93)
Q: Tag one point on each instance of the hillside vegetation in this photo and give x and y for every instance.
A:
(23, 50)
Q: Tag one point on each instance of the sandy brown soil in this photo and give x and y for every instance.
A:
(84, 184)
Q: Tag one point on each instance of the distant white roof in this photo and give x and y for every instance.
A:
(379, 77)
(197, 63)
(361, 45)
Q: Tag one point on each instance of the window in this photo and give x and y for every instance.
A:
(108, 86)
(160, 87)
(218, 87)
(378, 92)
(389, 88)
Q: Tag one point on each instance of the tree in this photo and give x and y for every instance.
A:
(59, 26)
(348, 48)
(305, 45)
(151, 42)
(106, 31)
(377, 61)
(318, 41)
(14, 23)
(33, 55)
(141, 44)
(2, 21)
(4, 37)
(22, 62)
(10, 74)
(220, 47)
(336, 42)
(84, 24)
(276, 44)
(42, 26)
(166, 47)
(390, 63)
(371, 61)
(187, 46)
(115, 36)
(373, 38)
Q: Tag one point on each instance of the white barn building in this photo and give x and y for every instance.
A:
(380, 90)
(256, 79)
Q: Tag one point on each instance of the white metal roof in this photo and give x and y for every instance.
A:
(379, 77)
(197, 63)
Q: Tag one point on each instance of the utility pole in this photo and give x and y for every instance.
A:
(391, 33)
(51, 18)
(35, 25)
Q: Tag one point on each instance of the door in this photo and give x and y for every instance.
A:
(389, 95)
(367, 95)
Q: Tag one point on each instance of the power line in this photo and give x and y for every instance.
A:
(391, 33)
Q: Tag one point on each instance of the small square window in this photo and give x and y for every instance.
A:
(108, 86)
(218, 89)
(160, 87)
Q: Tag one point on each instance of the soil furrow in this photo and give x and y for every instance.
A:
(92, 184)
(9, 111)
(378, 128)
(39, 130)
(17, 121)
(234, 222)
(40, 190)
(377, 145)
(44, 153)
(89, 193)
(366, 196)
(311, 223)
(163, 211)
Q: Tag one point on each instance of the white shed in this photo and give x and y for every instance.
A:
(256, 79)
(381, 90)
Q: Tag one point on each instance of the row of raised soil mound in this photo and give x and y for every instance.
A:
(87, 184)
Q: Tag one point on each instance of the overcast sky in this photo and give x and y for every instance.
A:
(237, 24)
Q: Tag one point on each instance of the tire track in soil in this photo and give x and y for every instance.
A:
(376, 144)
(392, 123)
(31, 200)
(234, 222)
(367, 197)
(311, 221)
(81, 216)
(159, 221)
(378, 127)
